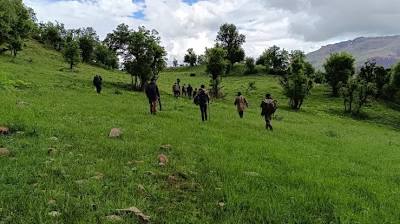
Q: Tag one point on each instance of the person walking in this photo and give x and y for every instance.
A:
(153, 95)
(241, 104)
(184, 90)
(98, 82)
(189, 91)
(202, 99)
(268, 106)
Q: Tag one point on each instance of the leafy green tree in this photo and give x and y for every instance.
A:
(72, 51)
(88, 40)
(377, 75)
(338, 68)
(15, 24)
(144, 56)
(105, 56)
(190, 57)
(216, 66)
(201, 59)
(52, 34)
(231, 41)
(356, 93)
(296, 85)
(118, 40)
(250, 66)
(275, 60)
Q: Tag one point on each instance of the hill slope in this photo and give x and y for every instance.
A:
(318, 166)
(384, 50)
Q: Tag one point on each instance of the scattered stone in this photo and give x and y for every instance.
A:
(141, 188)
(252, 174)
(54, 213)
(150, 173)
(166, 147)
(20, 133)
(80, 181)
(135, 162)
(51, 151)
(98, 176)
(53, 138)
(135, 211)
(162, 160)
(114, 218)
(172, 179)
(4, 131)
(115, 133)
(51, 202)
(4, 152)
(221, 204)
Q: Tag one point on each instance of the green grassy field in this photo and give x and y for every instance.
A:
(318, 166)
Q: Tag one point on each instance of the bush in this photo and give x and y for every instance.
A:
(192, 74)
(339, 67)
(356, 93)
(296, 85)
(250, 66)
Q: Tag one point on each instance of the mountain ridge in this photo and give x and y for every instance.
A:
(384, 50)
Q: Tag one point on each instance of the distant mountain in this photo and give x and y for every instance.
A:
(384, 50)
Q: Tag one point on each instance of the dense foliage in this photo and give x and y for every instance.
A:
(339, 67)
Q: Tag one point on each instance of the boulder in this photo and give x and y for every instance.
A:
(4, 131)
(4, 152)
(115, 133)
(162, 160)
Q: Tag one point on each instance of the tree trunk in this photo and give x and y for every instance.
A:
(71, 65)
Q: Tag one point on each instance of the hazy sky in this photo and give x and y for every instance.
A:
(183, 24)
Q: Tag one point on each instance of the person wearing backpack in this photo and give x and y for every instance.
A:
(97, 82)
(241, 104)
(268, 106)
(153, 95)
(202, 99)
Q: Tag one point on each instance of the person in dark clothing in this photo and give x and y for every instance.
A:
(203, 99)
(189, 91)
(195, 93)
(269, 107)
(184, 90)
(97, 82)
(153, 95)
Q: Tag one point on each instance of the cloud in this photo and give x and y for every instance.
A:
(183, 24)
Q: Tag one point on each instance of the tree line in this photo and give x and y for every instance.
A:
(139, 52)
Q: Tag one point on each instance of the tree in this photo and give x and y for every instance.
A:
(175, 63)
(15, 24)
(275, 60)
(338, 68)
(356, 93)
(118, 40)
(201, 59)
(216, 66)
(296, 85)
(190, 57)
(71, 51)
(231, 41)
(250, 66)
(88, 40)
(52, 34)
(144, 57)
(105, 56)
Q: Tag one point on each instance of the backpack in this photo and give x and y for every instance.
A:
(268, 107)
(196, 99)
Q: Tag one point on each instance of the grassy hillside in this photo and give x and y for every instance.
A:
(318, 166)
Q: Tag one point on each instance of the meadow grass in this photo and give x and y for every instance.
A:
(318, 166)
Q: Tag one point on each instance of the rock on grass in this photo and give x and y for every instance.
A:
(115, 133)
(4, 131)
(4, 152)
(137, 213)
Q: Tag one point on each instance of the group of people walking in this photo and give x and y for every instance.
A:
(202, 99)
(184, 91)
